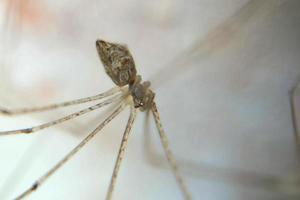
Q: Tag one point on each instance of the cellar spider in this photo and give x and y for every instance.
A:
(130, 91)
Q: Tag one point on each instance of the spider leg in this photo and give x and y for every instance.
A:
(43, 178)
(292, 99)
(110, 92)
(169, 154)
(121, 152)
(63, 119)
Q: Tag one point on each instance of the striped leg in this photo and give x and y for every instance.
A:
(169, 154)
(42, 179)
(58, 121)
(121, 153)
(59, 105)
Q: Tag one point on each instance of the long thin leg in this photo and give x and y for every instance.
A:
(169, 154)
(43, 178)
(292, 96)
(121, 153)
(59, 105)
(58, 121)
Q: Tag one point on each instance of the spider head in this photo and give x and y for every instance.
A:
(117, 61)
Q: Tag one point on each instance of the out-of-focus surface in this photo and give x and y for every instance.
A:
(222, 72)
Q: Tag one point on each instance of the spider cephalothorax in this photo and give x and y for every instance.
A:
(120, 67)
(141, 94)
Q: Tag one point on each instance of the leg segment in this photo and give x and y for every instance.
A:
(59, 105)
(121, 153)
(58, 121)
(42, 179)
(168, 153)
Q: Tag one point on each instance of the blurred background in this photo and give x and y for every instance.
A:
(225, 75)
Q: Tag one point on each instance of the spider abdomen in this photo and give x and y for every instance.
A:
(117, 61)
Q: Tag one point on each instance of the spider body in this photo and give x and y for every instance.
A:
(120, 67)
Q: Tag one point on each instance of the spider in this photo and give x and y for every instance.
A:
(129, 91)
